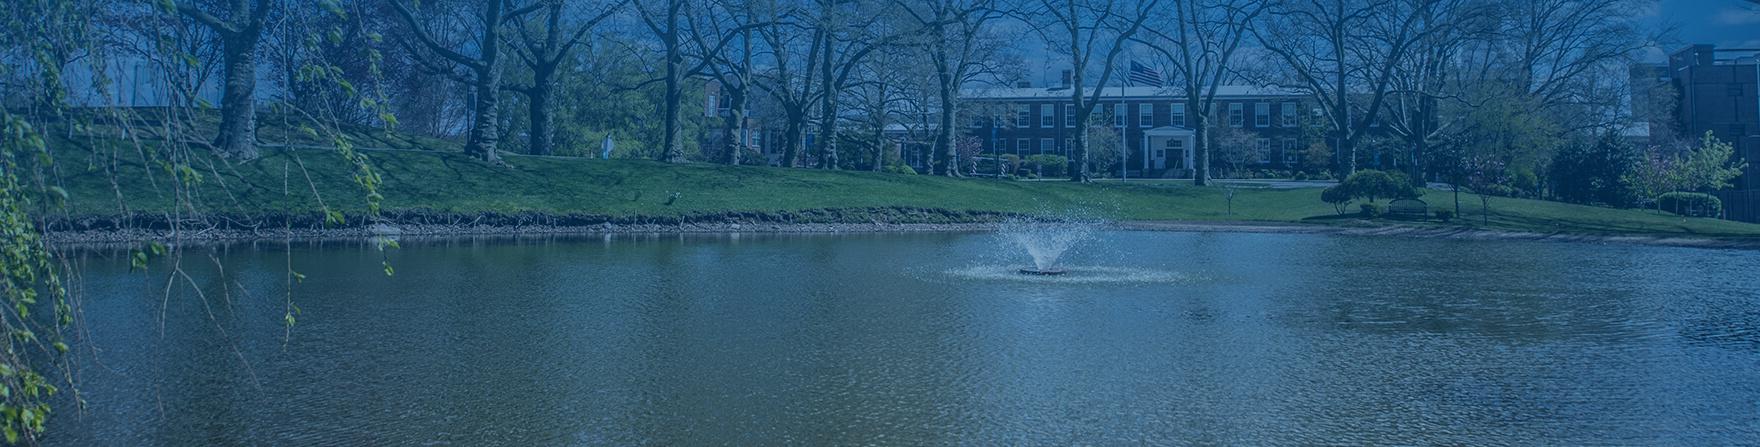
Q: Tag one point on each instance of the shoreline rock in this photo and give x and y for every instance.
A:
(422, 224)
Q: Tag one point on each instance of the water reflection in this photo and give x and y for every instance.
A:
(916, 339)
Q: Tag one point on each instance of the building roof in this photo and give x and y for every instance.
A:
(1226, 91)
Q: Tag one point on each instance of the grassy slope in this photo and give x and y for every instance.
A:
(448, 181)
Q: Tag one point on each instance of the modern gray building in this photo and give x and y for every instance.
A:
(1716, 90)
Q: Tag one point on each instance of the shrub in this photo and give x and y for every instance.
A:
(1444, 214)
(1373, 209)
(900, 169)
(1691, 204)
(1011, 162)
(1371, 184)
(1299, 176)
(1047, 165)
(1339, 196)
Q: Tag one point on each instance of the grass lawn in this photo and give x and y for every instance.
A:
(450, 181)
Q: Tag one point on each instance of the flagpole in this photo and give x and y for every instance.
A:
(1124, 144)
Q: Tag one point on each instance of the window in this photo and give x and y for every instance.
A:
(1262, 114)
(1023, 116)
(1047, 145)
(1179, 115)
(1264, 150)
(1289, 151)
(1069, 115)
(1289, 114)
(1145, 115)
(1237, 115)
(1023, 146)
(1047, 116)
(1118, 116)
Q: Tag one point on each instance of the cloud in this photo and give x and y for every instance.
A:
(1738, 16)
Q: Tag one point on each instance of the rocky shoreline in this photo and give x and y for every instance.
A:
(127, 230)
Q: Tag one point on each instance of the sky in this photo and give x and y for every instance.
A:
(1726, 23)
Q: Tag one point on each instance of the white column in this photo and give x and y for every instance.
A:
(1145, 148)
(1191, 151)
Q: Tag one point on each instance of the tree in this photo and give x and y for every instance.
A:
(663, 21)
(1434, 75)
(954, 35)
(1599, 172)
(239, 33)
(789, 78)
(1343, 54)
(1236, 146)
(543, 53)
(711, 29)
(481, 71)
(1084, 30)
(1206, 35)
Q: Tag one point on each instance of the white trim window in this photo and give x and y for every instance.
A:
(1290, 156)
(1289, 115)
(1237, 114)
(1047, 145)
(1023, 146)
(1262, 114)
(1118, 116)
(1178, 117)
(1265, 150)
(1047, 116)
(1023, 115)
(1145, 115)
(1069, 116)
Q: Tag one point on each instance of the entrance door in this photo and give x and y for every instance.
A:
(1159, 157)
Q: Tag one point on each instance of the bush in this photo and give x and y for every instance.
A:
(1299, 176)
(1372, 209)
(1338, 196)
(1691, 204)
(900, 169)
(1444, 214)
(1047, 165)
(1371, 184)
(1011, 163)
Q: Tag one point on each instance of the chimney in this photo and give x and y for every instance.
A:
(1066, 79)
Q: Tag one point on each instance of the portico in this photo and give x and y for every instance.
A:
(1168, 150)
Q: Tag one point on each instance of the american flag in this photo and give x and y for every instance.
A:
(1143, 75)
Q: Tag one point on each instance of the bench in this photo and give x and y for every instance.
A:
(1408, 207)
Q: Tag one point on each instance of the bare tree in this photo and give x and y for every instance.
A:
(664, 20)
(955, 36)
(1202, 45)
(1343, 53)
(482, 71)
(1084, 30)
(791, 73)
(239, 25)
(543, 52)
(720, 22)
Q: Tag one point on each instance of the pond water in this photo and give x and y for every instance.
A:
(912, 339)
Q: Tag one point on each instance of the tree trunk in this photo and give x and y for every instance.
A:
(947, 158)
(879, 145)
(1078, 153)
(734, 132)
(485, 130)
(828, 110)
(238, 118)
(791, 138)
(1201, 147)
(672, 148)
(543, 121)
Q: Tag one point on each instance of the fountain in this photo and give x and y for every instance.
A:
(1046, 241)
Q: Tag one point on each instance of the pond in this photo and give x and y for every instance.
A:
(912, 339)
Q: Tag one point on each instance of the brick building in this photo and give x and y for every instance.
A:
(1714, 90)
(1156, 128)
